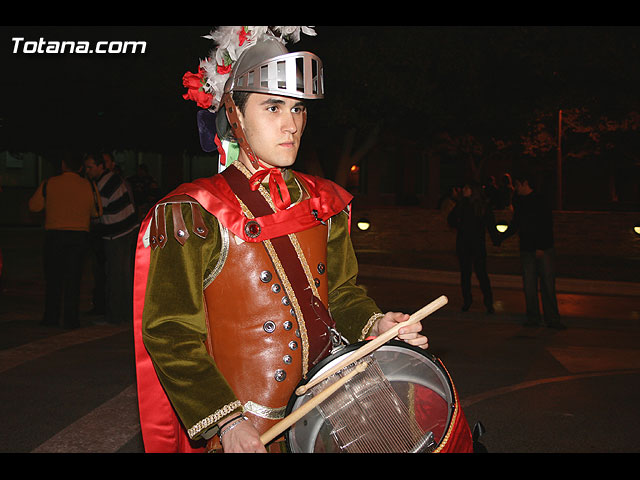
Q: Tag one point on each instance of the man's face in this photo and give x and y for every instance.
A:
(108, 161)
(93, 171)
(273, 126)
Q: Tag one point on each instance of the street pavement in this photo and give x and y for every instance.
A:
(535, 390)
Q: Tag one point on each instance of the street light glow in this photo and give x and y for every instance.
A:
(363, 224)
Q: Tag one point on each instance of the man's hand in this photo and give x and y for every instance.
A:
(410, 334)
(242, 438)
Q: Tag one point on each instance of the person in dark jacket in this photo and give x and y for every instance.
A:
(533, 221)
(472, 217)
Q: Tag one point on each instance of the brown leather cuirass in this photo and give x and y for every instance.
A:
(258, 336)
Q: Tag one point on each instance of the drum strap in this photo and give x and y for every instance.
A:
(317, 320)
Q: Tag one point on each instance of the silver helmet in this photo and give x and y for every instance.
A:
(268, 67)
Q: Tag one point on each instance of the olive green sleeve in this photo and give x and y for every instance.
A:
(174, 326)
(353, 311)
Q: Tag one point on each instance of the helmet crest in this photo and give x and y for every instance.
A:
(211, 82)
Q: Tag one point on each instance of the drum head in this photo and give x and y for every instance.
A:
(413, 386)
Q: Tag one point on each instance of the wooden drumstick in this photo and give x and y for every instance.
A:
(296, 415)
(376, 342)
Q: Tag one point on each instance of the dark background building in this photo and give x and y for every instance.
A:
(409, 111)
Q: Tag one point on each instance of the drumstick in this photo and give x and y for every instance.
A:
(376, 342)
(296, 415)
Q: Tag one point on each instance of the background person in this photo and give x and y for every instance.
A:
(472, 217)
(533, 221)
(69, 202)
(117, 228)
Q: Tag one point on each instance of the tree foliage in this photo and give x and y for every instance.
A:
(500, 86)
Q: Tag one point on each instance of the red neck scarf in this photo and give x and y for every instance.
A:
(277, 186)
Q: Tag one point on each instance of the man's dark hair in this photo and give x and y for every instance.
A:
(240, 99)
(96, 157)
(72, 160)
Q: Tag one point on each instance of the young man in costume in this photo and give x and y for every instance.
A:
(245, 280)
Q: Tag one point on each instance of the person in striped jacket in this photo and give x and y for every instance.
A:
(118, 228)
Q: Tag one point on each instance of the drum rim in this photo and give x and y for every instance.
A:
(354, 346)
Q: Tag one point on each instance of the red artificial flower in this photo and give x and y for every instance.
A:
(242, 36)
(223, 69)
(194, 82)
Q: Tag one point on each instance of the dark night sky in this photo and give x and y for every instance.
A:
(111, 100)
(452, 77)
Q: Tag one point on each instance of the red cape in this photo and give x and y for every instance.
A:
(162, 431)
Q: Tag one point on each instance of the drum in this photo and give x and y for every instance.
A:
(404, 402)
